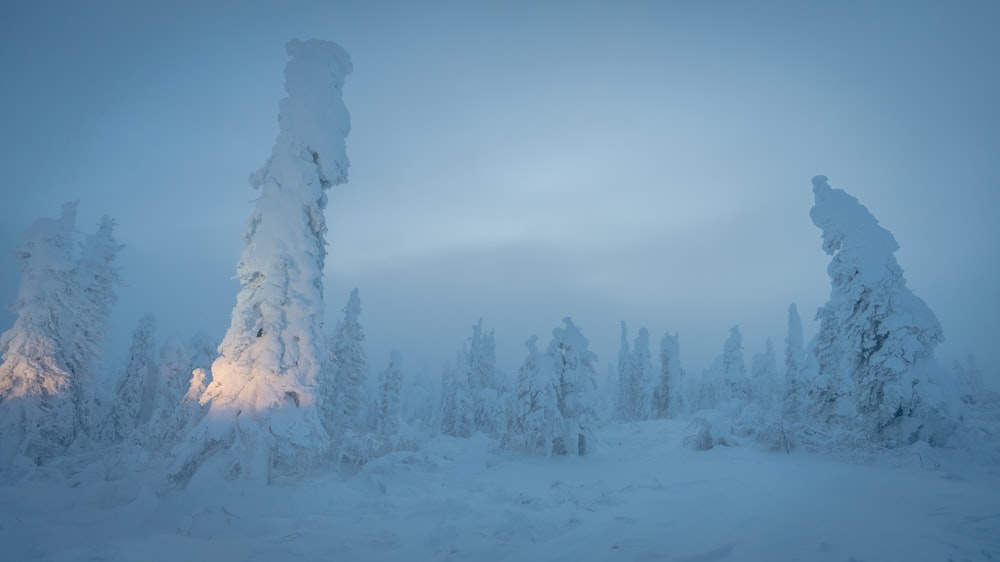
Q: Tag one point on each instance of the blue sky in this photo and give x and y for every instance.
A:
(522, 161)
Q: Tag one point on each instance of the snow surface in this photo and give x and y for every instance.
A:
(640, 496)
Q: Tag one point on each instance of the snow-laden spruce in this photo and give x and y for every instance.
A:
(135, 394)
(576, 390)
(390, 388)
(472, 394)
(343, 398)
(555, 407)
(51, 355)
(794, 366)
(263, 419)
(876, 340)
(635, 378)
(667, 397)
(38, 412)
(96, 279)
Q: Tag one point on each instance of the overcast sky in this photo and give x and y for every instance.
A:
(522, 161)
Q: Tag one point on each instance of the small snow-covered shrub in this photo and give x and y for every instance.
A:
(706, 436)
(775, 437)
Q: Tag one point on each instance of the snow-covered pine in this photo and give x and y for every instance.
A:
(572, 363)
(135, 394)
(642, 375)
(773, 431)
(536, 413)
(874, 334)
(465, 422)
(728, 376)
(794, 366)
(390, 387)
(174, 370)
(420, 402)
(627, 392)
(486, 390)
(667, 397)
(765, 387)
(342, 389)
(449, 401)
(203, 351)
(263, 421)
(38, 395)
(763, 406)
(970, 380)
(96, 278)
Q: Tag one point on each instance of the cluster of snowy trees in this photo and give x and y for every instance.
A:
(280, 393)
(51, 356)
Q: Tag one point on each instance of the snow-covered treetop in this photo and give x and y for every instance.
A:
(48, 242)
(313, 119)
(847, 225)
(570, 341)
(532, 345)
(352, 310)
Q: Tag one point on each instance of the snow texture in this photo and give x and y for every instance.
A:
(640, 497)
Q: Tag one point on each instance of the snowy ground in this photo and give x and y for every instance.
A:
(640, 497)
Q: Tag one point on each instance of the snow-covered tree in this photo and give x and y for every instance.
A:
(465, 405)
(794, 365)
(136, 392)
(263, 419)
(576, 390)
(642, 373)
(174, 371)
(343, 393)
(390, 387)
(627, 392)
(970, 380)
(449, 401)
(536, 413)
(876, 340)
(765, 388)
(420, 401)
(96, 278)
(667, 400)
(203, 351)
(729, 372)
(635, 373)
(39, 398)
(486, 389)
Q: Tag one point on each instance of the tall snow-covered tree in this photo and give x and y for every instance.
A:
(876, 338)
(729, 371)
(627, 392)
(486, 390)
(174, 369)
(635, 372)
(536, 414)
(763, 408)
(420, 401)
(136, 392)
(343, 393)
(667, 400)
(390, 387)
(96, 278)
(576, 390)
(449, 401)
(263, 420)
(642, 374)
(39, 410)
(765, 388)
(794, 365)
